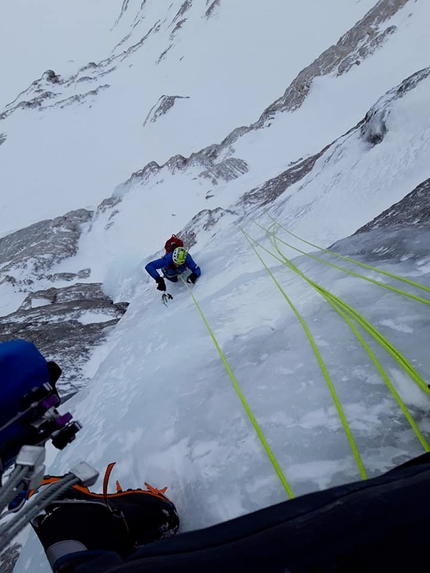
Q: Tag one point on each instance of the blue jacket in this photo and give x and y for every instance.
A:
(169, 269)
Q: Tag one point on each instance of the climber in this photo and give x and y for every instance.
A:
(172, 265)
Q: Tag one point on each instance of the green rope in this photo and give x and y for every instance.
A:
(353, 261)
(378, 336)
(387, 345)
(334, 302)
(242, 399)
(319, 359)
(344, 270)
(368, 326)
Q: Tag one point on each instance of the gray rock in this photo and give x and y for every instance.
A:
(9, 557)
(358, 43)
(163, 54)
(84, 273)
(203, 221)
(34, 102)
(227, 170)
(374, 127)
(184, 8)
(274, 187)
(394, 242)
(63, 276)
(177, 28)
(40, 246)
(163, 105)
(51, 76)
(414, 209)
(123, 9)
(65, 324)
(211, 10)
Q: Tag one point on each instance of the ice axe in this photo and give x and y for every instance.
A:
(165, 297)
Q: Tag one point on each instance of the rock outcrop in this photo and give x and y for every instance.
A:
(163, 105)
(374, 127)
(414, 209)
(37, 248)
(65, 324)
(361, 41)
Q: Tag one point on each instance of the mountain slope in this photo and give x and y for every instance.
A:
(78, 138)
(160, 401)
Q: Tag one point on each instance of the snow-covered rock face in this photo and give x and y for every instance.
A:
(356, 45)
(99, 111)
(41, 246)
(374, 128)
(162, 106)
(31, 259)
(352, 48)
(331, 167)
(66, 324)
(414, 209)
(180, 128)
(9, 557)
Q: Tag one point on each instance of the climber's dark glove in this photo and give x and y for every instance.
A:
(161, 284)
(192, 278)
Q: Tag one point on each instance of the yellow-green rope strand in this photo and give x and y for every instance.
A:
(363, 277)
(383, 374)
(332, 300)
(353, 261)
(385, 343)
(348, 271)
(365, 325)
(391, 349)
(243, 400)
(320, 362)
(368, 326)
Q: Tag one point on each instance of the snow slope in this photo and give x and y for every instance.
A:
(39, 35)
(161, 402)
